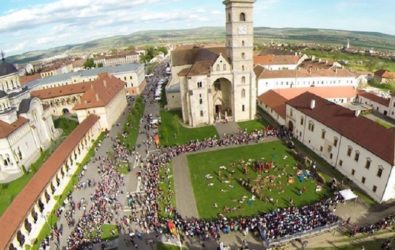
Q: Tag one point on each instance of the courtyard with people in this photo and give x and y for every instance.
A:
(252, 179)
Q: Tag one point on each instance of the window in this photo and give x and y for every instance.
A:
(374, 188)
(363, 180)
(356, 157)
(352, 172)
(335, 141)
(311, 126)
(367, 165)
(199, 84)
(243, 93)
(243, 69)
(301, 121)
(131, 77)
(380, 172)
(201, 101)
(321, 148)
(242, 17)
(243, 108)
(218, 67)
(229, 18)
(224, 67)
(243, 55)
(323, 134)
(243, 79)
(331, 156)
(243, 43)
(340, 163)
(201, 113)
(349, 151)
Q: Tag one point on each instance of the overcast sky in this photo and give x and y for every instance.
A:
(27, 25)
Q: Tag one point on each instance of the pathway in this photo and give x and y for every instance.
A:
(185, 198)
(227, 128)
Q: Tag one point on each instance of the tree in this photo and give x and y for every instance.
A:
(89, 63)
(131, 48)
(163, 50)
(150, 53)
(100, 65)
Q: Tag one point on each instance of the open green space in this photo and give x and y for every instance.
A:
(355, 62)
(172, 132)
(367, 245)
(388, 86)
(253, 125)
(161, 246)
(132, 125)
(279, 186)
(327, 172)
(167, 198)
(66, 124)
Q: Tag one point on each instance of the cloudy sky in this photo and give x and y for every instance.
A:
(39, 24)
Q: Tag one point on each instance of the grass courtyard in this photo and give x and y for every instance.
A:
(171, 132)
(253, 125)
(276, 187)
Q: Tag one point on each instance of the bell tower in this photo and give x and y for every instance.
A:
(240, 48)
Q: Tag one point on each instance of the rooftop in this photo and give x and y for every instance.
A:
(261, 73)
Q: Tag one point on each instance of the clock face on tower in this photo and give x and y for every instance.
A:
(242, 30)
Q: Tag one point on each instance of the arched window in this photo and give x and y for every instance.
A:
(242, 68)
(229, 18)
(218, 67)
(224, 67)
(243, 80)
(242, 17)
(243, 93)
(243, 43)
(243, 55)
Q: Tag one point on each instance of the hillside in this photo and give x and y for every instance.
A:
(217, 34)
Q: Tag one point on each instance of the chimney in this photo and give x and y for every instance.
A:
(312, 104)
(357, 113)
(97, 97)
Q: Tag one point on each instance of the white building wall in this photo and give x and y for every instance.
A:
(382, 109)
(336, 154)
(266, 84)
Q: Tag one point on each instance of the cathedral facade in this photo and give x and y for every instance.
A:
(218, 84)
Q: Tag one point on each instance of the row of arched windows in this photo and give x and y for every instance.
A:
(242, 17)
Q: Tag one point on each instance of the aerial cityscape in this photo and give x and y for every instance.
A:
(226, 124)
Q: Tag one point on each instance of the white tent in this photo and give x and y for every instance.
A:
(347, 194)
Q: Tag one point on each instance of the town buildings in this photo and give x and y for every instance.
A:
(219, 84)
(117, 59)
(133, 75)
(358, 147)
(26, 126)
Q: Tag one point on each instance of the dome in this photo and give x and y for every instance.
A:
(6, 68)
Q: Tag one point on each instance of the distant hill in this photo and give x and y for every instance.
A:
(217, 34)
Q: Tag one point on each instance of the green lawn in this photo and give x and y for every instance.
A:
(171, 132)
(280, 190)
(252, 125)
(132, 126)
(66, 124)
(166, 188)
(123, 169)
(109, 232)
(161, 246)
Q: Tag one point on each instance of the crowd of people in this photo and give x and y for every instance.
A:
(105, 206)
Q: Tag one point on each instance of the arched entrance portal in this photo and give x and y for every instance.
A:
(66, 111)
(222, 100)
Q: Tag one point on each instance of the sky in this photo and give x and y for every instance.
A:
(27, 25)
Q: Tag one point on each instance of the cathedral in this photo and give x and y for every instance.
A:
(26, 127)
(217, 84)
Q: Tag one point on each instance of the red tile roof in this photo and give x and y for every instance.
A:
(7, 129)
(14, 216)
(364, 132)
(101, 92)
(65, 90)
(276, 59)
(25, 79)
(375, 98)
(276, 99)
(385, 74)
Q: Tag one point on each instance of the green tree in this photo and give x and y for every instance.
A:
(89, 63)
(163, 50)
(150, 53)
